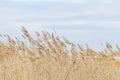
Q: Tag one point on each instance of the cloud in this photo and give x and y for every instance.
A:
(76, 23)
(61, 14)
(71, 1)
(62, 11)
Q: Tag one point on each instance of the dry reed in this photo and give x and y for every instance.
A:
(49, 58)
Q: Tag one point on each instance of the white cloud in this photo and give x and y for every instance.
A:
(108, 24)
(72, 1)
(61, 23)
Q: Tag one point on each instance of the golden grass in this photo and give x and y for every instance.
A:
(49, 58)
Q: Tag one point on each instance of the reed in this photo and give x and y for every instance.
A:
(48, 58)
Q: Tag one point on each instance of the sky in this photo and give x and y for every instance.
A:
(82, 21)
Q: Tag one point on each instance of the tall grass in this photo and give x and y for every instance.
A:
(48, 58)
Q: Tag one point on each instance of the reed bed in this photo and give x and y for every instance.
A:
(49, 57)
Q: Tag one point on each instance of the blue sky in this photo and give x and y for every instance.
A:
(82, 21)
